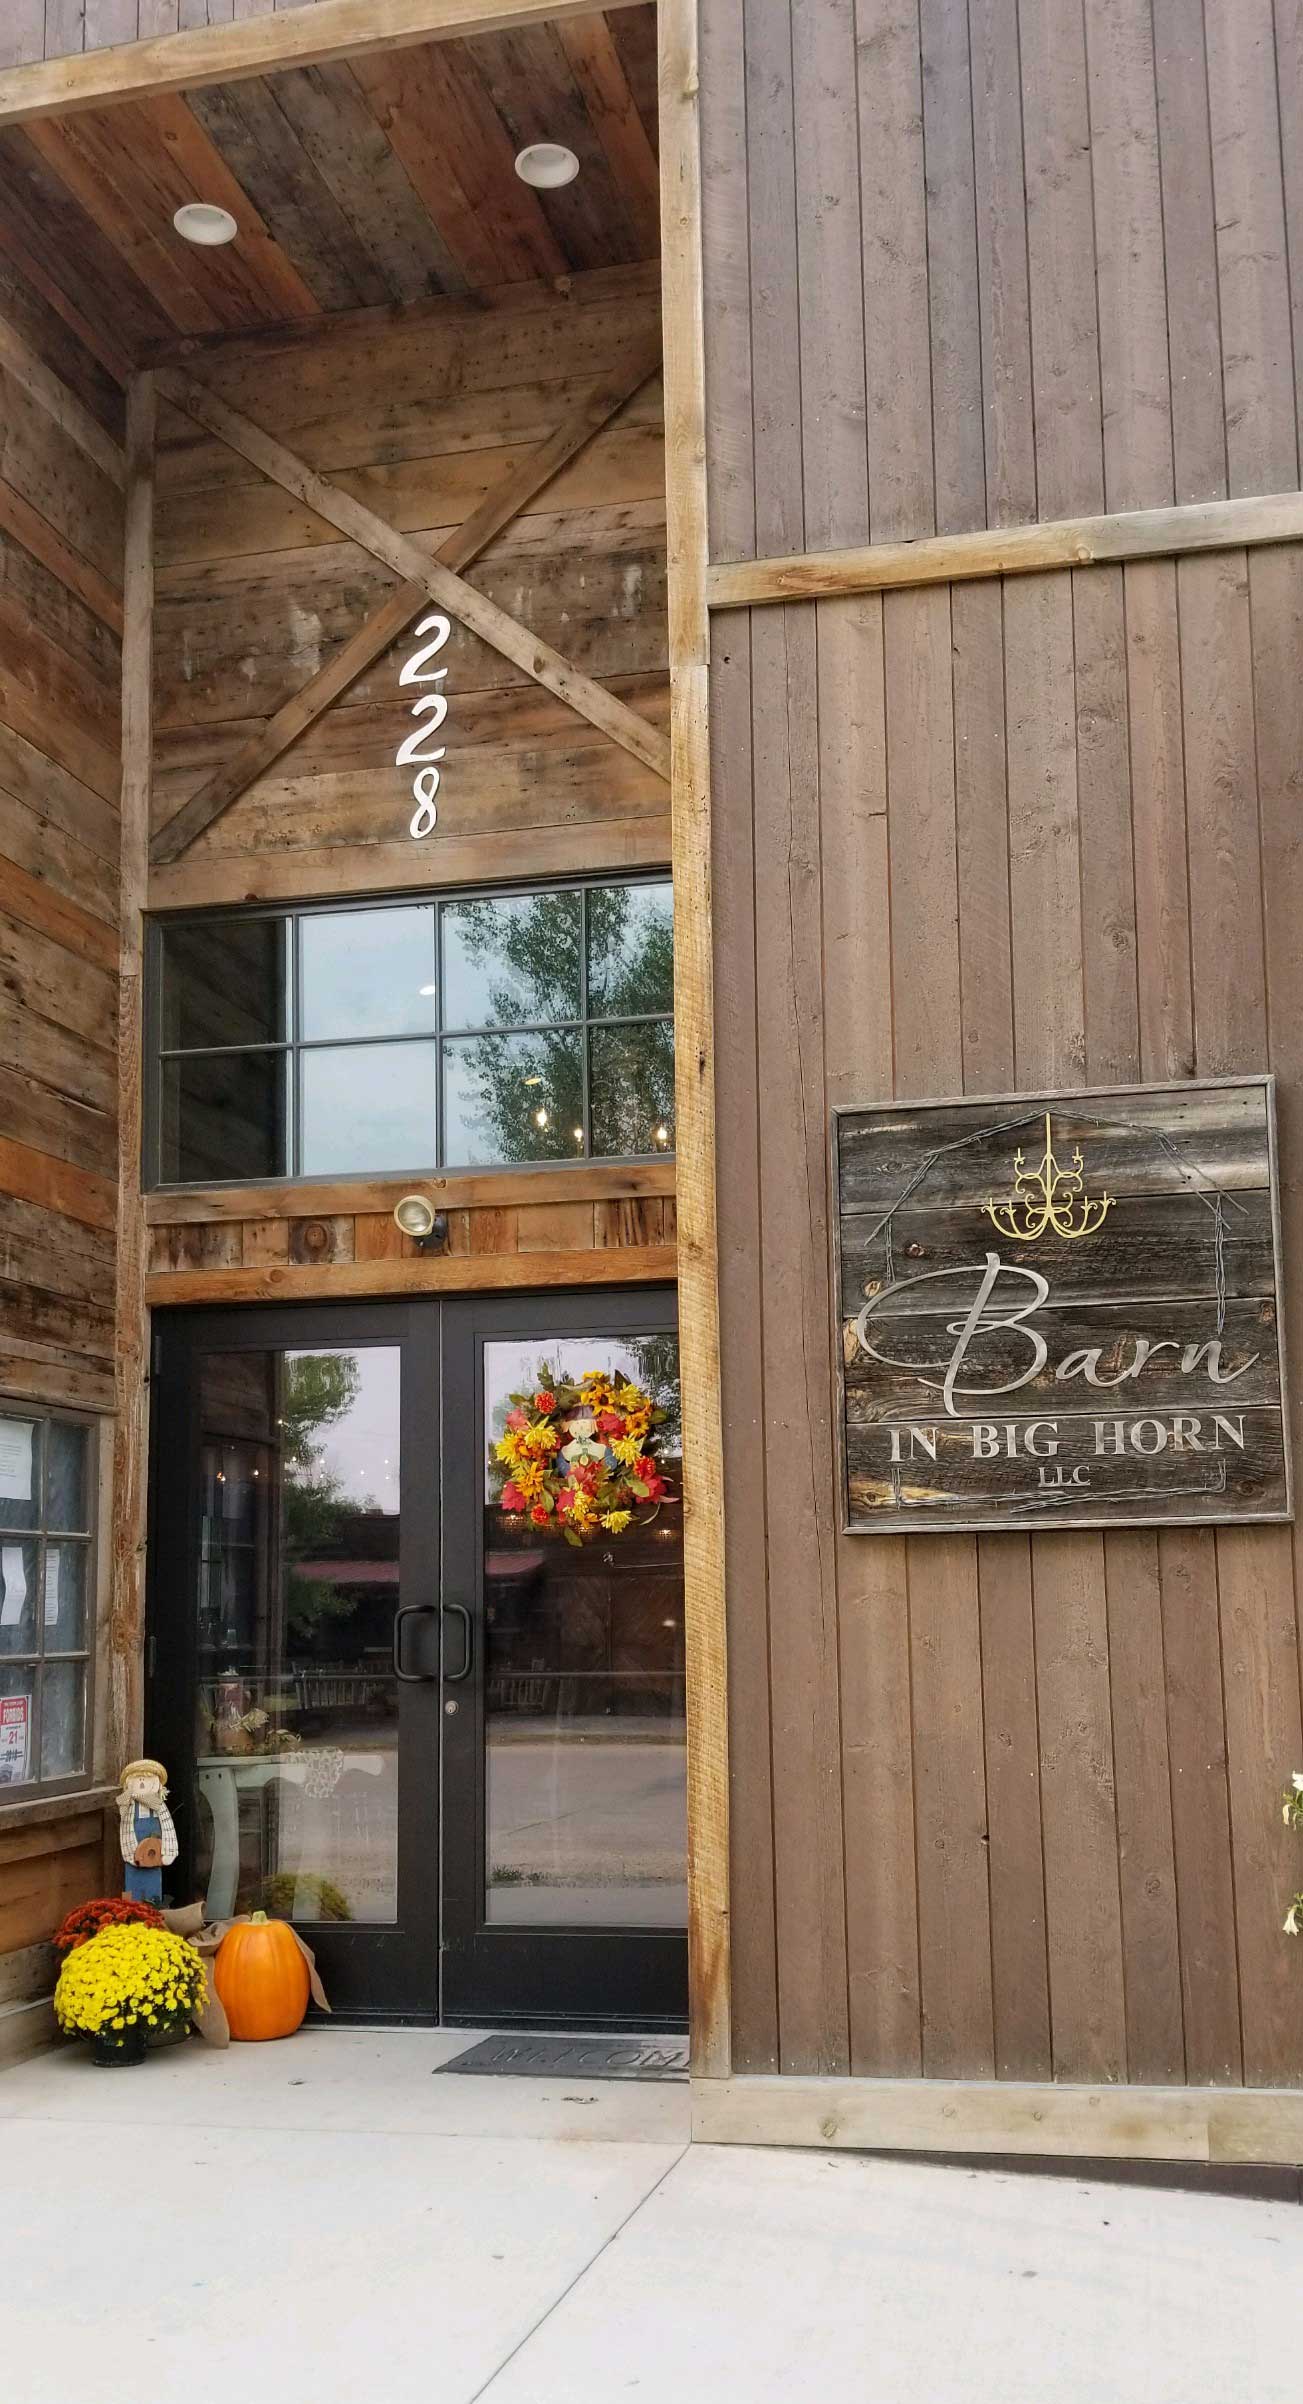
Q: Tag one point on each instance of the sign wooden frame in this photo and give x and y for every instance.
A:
(1064, 1493)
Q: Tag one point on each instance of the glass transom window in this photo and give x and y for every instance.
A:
(391, 1037)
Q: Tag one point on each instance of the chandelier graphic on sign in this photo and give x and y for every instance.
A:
(1049, 1197)
(431, 710)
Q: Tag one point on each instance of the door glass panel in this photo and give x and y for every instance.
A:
(296, 1701)
(585, 1805)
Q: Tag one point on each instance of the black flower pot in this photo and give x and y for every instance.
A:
(171, 2032)
(109, 2051)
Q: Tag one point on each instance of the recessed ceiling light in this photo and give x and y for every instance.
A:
(203, 222)
(547, 165)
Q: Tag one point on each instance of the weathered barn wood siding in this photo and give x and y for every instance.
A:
(1000, 1806)
(61, 511)
(419, 417)
(60, 622)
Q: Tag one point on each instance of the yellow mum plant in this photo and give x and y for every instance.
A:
(129, 1978)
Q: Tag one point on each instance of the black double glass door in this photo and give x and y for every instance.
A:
(446, 1743)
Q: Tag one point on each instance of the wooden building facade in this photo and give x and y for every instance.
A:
(954, 576)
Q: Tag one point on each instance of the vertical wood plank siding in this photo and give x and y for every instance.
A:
(1001, 1806)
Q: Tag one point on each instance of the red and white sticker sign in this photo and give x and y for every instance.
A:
(15, 1738)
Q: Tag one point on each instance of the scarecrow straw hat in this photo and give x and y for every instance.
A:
(144, 1769)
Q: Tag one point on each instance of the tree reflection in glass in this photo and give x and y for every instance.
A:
(540, 965)
(299, 1568)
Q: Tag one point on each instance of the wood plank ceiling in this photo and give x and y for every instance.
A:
(353, 186)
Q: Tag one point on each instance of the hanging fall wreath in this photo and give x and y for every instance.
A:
(582, 1457)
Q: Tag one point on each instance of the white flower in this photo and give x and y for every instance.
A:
(1298, 1782)
(1291, 1922)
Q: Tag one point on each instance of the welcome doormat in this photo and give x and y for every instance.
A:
(541, 2056)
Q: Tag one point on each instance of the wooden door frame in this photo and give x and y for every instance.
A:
(338, 29)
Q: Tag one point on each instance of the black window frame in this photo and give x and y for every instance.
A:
(42, 1533)
(292, 1045)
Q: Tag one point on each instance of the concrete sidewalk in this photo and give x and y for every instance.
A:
(327, 2220)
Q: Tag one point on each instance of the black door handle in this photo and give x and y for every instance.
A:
(410, 1677)
(453, 1677)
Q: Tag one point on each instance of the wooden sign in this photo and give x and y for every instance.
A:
(1062, 1310)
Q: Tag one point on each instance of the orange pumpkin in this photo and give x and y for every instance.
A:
(262, 1978)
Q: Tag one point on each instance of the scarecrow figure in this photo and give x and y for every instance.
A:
(147, 1836)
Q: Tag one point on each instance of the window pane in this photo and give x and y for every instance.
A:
(511, 963)
(367, 972)
(63, 1713)
(630, 950)
(18, 1598)
(297, 1583)
(223, 1116)
(63, 1597)
(20, 1473)
(513, 1097)
(17, 1712)
(66, 1452)
(632, 1070)
(369, 1106)
(586, 1818)
(223, 982)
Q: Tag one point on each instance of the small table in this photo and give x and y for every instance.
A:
(220, 1777)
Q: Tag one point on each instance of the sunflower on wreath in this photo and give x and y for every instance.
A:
(581, 1456)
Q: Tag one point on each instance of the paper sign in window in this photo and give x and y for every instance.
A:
(14, 1574)
(16, 1460)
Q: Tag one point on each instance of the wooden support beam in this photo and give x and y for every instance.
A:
(449, 1189)
(130, 1430)
(710, 1993)
(70, 415)
(1003, 2116)
(432, 1273)
(521, 484)
(264, 45)
(397, 551)
(1009, 551)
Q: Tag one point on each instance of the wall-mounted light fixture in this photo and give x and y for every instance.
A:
(417, 1217)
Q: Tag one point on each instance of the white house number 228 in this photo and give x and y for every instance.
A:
(430, 710)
